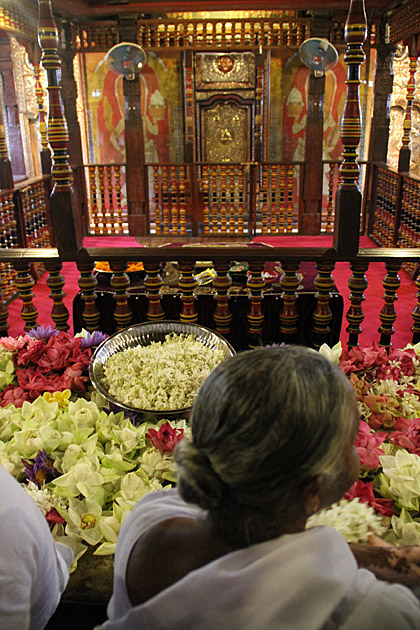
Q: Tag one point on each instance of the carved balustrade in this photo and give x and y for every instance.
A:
(250, 314)
(210, 198)
(106, 204)
(24, 222)
(394, 213)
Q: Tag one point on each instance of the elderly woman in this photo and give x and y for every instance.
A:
(273, 433)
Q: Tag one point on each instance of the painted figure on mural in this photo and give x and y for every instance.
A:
(295, 113)
(106, 107)
(294, 126)
(156, 129)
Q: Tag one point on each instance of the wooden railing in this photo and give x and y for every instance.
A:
(210, 199)
(24, 222)
(284, 320)
(394, 213)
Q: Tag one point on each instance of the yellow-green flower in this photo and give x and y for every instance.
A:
(61, 398)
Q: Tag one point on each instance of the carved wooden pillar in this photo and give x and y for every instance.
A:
(405, 151)
(87, 283)
(391, 284)
(120, 283)
(46, 163)
(324, 283)
(289, 315)
(314, 136)
(6, 176)
(222, 315)
(255, 284)
(134, 140)
(16, 157)
(357, 284)
(349, 198)
(378, 143)
(24, 283)
(64, 214)
(69, 95)
(55, 281)
(153, 283)
(312, 186)
(187, 284)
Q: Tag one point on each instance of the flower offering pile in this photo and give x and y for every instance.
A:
(86, 463)
(163, 375)
(385, 499)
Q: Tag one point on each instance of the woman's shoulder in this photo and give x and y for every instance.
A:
(382, 605)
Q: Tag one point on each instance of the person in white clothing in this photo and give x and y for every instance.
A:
(34, 569)
(272, 443)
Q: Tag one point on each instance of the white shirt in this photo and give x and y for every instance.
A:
(304, 581)
(34, 570)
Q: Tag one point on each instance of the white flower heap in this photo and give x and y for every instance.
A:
(86, 467)
(163, 375)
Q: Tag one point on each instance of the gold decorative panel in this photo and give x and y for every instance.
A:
(225, 71)
(226, 132)
(398, 107)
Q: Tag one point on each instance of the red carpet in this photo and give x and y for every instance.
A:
(372, 305)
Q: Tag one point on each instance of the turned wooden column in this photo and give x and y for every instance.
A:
(64, 213)
(404, 157)
(349, 198)
(134, 140)
(46, 163)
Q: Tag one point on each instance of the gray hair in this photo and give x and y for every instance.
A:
(265, 422)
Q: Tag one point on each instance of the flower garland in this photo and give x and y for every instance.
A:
(86, 464)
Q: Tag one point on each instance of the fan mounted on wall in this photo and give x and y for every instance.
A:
(318, 54)
(126, 58)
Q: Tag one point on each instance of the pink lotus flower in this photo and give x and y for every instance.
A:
(364, 492)
(73, 379)
(408, 438)
(357, 359)
(14, 395)
(166, 438)
(54, 517)
(367, 446)
(12, 344)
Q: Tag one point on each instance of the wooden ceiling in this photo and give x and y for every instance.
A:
(103, 8)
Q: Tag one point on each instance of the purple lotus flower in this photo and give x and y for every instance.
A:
(41, 469)
(93, 339)
(43, 333)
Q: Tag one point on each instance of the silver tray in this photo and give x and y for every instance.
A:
(144, 334)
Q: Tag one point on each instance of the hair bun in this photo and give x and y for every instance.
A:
(197, 481)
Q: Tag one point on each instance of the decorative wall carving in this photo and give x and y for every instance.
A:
(227, 71)
(24, 79)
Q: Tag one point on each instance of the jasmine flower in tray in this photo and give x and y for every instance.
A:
(162, 375)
